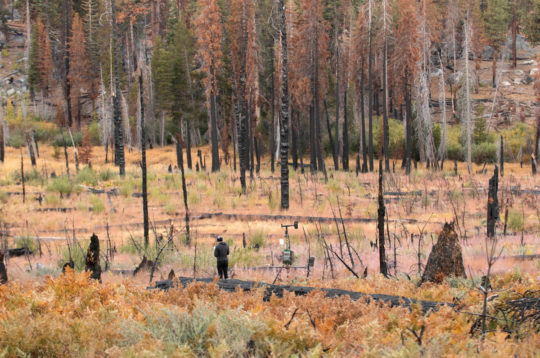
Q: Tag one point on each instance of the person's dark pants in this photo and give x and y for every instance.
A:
(222, 268)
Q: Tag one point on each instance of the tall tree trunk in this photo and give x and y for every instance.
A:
(335, 146)
(501, 157)
(243, 145)
(493, 203)
(272, 113)
(213, 129)
(363, 106)
(284, 118)
(119, 159)
(312, 147)
(180, 160)
(408, 130)
(320, 158)
(2, 145)
(537, 136)
(514, 34)
(334, 149)
(294, 141)
(468, 119)
(67, 85)
(345, 133)
(188, 149)
(493, 69)
(143, 167)
(385, 95)
(380, 224)
(370, 90)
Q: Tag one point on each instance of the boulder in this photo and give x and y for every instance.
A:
(445, 259)
(527, 80)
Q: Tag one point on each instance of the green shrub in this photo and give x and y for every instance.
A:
(126, 189)
(26, 241)
(16, 140)
(59, 141)
(4, 197)
(31, 177)
(87, 176)
(258, 239)
(77, 252)
(484, 153)
(62, 185)
(96, 204)
(106, 175)
(515, 220)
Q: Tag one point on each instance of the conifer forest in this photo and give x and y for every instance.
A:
(269, 178)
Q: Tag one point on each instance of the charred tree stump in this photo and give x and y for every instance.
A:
(92, 258)
(380, 224)
(445, 258)
(493, 203)
(533, 164)
(3, 270)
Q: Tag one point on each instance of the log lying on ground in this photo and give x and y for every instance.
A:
(232, 284)
(20, 251)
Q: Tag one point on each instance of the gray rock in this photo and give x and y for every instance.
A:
(527, 80)
(10, 92)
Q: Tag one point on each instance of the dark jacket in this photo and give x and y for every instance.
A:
(221, 250)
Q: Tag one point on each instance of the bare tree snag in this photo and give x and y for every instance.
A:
(445, 258)
(22, 179)
(180, 158)
(92, 258)
(119, 159)
(65, 153)
(284, 117)
(501, 157)
(533, 164)
(493, 203)
(380, 223)
(143, 165)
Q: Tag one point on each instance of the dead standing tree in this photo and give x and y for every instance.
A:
(284, 117)
(180, 163)
(380, 224)
(493, 203)
(143, 165)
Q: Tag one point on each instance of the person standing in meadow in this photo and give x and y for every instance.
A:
(221, 251)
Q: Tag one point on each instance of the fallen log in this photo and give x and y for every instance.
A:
(20, 251)
(232, 285)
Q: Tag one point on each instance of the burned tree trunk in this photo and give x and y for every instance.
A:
(22, 179)
(31, 152)
(119, 159)
(345, 134)
(92, 258)
(445, 258)
(533, 164)
(501, 157)
(2, 146)
(3, 270)
(334, 147)
(188, 149)
(493, 203)
(143, 166)
(180, 157)
(284, 117)
(380, 223)
(65, 153)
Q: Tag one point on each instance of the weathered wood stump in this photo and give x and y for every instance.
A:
(3, 271)
(445, 258)
(92, 258)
